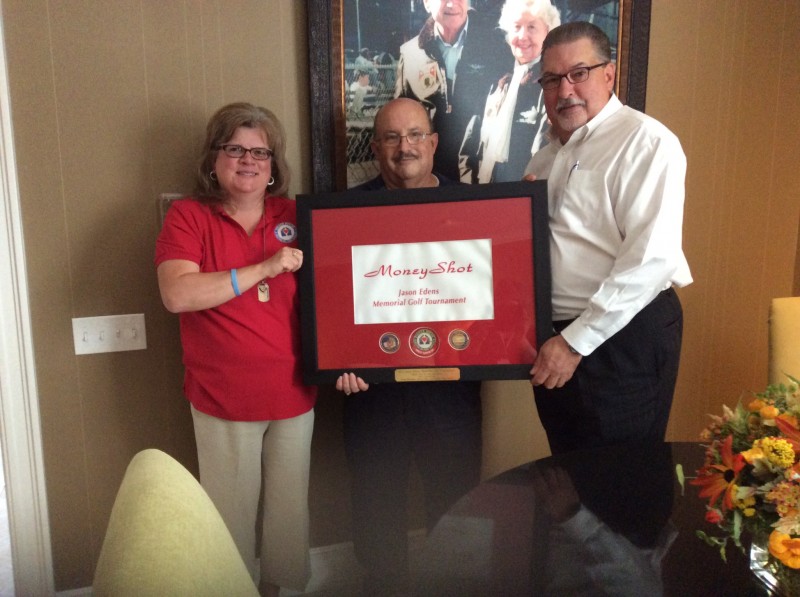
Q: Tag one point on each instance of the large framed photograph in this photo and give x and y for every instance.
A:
(362, 53)
(442, 283)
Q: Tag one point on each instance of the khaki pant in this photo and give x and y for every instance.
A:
(256, 473)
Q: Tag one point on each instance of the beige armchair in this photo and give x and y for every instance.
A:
(784, 339)
(165, 537)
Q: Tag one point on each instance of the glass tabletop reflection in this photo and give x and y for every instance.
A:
(611, 521)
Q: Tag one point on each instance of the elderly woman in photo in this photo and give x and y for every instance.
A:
(514, 120)
(226, 260)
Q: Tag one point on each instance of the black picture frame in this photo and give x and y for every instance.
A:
(328, 143)
(312, 304)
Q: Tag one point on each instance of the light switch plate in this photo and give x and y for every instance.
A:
(109, 333)
(164, 202)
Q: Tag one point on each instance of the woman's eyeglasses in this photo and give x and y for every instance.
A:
(237, 151)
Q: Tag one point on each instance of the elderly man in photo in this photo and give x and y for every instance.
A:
(616, 192)
(437, 424)
(450, 67)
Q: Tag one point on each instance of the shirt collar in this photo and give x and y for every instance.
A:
(459, 40)
(612, 106)
(272, 210)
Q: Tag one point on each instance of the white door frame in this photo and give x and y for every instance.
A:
(20, 429)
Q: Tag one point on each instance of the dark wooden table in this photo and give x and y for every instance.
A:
(503, 538)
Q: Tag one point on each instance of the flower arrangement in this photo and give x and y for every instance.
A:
(751, 473)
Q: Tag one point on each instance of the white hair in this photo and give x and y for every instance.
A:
(514, 9)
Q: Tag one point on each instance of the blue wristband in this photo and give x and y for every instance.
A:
(235, 283)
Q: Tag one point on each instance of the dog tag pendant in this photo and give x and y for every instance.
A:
(263, 291)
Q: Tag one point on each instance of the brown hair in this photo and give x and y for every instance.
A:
(221, 127)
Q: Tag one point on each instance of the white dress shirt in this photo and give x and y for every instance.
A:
(615, 193)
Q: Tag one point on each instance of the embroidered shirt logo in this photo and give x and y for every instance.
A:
(286, 232)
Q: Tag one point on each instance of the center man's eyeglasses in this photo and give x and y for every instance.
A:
(393, 139)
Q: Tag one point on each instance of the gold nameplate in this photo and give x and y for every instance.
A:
(441, 374)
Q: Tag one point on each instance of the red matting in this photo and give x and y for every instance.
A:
(508, 338)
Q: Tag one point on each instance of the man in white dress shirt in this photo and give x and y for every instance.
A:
(616, 192)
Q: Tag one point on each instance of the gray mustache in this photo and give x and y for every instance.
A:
(569, 101)
(406, 154)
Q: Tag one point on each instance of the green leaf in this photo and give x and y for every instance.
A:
(681, 478)
(720, 542)
(737, 528)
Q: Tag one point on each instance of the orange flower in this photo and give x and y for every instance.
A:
(787, 425)
(756, 405)
(769, 412)
(720, 479)
(785, 548)
(787, 418)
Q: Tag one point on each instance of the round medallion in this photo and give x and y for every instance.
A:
(424, 342)
(389, 343)
(458, 339)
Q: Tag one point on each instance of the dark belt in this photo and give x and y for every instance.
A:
(558, 326)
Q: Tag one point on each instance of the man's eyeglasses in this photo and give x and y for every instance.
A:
(237, 151)
(393, 139)
(576, 75)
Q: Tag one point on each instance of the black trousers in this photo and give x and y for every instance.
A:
(622, 391)
(437, 425)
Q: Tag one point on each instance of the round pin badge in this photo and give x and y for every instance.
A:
(424, 342)
(458, 339)
(389, 343)
(286, 232)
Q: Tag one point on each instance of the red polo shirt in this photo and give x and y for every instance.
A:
(242, 358)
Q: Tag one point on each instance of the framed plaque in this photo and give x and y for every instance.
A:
(442, 283)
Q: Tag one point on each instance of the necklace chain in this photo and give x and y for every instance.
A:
(263, 287)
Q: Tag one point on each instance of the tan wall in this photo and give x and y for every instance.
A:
(723, 76)
(109, 100)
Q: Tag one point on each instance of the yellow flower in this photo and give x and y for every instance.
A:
(777, 450)
(746, 502)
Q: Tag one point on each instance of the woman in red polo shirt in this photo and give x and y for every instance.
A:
(226, 262)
